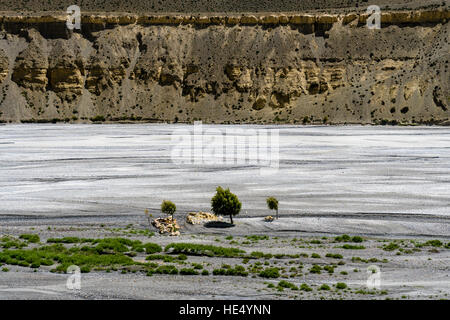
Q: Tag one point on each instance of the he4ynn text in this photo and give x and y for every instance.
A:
(228, 309)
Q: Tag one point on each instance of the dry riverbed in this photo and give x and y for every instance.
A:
(270, 261)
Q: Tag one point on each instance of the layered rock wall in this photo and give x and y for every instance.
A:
(252, 68)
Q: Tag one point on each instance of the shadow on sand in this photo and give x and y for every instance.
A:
(218, 224)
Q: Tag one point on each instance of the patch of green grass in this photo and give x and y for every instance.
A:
(86, 257)
(329, 269)
(270, 273)
(334, 255)
(197, 266)
(341, 285)
(204, 250)
(205, 273)
(352, 247)
(259, 254)
(257, 238)
(7, 242)
(325, 287)
(305, 287)
(4, 269)
(430, 243)
(227, 270)
(188, 271)
(68, 240)
(287, 285)
(163, 257)
(315, 255)
(315, 269)
(32, 238)
(166, 269)
(391, 246)
(347, 238)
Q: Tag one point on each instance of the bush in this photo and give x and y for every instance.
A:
(256, 237)
(352, 247)
(433, 243)
(341, 285)
(204, 250)
(324, 287)
(343, 238)
(305, 287)
(329, 269)
(33, 238)
(65, 240)
(227, 270)
(168, 207)
(315, 269)
(357, 239)
(287, 285)
(151, 248)
(205, 273)
(188, 271)
(225, 203)
(391, 246)
(315, 255)
(162, 257)
(334, 255)
(166, 269)
(270, 273)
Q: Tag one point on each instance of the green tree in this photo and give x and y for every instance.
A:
(168, 207)
(225, 203)
(272, 203)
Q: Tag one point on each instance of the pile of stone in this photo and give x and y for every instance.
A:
(202, 217)
(167, 225)
(268, 219)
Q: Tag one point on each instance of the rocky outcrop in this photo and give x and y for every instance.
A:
(252, 68)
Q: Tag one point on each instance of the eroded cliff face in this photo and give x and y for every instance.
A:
(228, 69)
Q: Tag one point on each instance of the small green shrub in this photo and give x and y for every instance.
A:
(315, 269)
(287, 285)
(166, 269)
(227, 270)
(206, 250)
(315, 255)
(353, 247)
(305, 287)
(33, 238)
(151, 248)
(334, 255)
(188, 271)
(343, 238)
(325, 287)
(329, 269)
(391, 246)
(341, 285)
(270, 273)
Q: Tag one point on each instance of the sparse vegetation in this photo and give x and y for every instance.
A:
(203, 250)
(270, 273)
